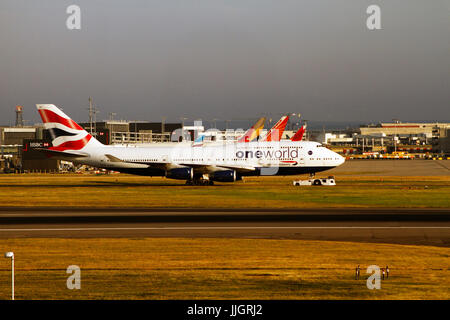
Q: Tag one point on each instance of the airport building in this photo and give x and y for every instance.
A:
(125, 132)
(388, 138)
(36, 161)
(443, 145)
(11, 145)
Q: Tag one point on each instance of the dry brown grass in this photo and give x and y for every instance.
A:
(90, 191)
(221, 269)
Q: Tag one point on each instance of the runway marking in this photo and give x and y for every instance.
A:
(205, 228)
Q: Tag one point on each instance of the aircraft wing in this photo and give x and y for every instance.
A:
(159, 165)
(63, 154)
(212, 168)
(205, 168)
(113, 159)
(239, 168)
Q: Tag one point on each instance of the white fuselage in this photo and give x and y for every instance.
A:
(286, 156)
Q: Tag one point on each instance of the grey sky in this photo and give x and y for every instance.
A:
(227, 59)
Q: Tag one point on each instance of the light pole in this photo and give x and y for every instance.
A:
(11, 255)
(183, 119)
(111, 116)
(396, 121)
(163, 124)
(215, 122)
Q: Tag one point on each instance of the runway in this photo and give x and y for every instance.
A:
(405, 226)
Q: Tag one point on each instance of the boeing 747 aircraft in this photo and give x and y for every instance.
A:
(227, 162)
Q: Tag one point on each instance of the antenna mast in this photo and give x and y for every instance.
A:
(92, 117)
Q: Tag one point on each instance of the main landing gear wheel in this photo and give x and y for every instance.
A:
(199, 182)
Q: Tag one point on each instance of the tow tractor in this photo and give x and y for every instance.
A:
(312, 181)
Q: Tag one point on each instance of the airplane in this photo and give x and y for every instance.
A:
(227, 162)
(252, 133)
(298, 136)
(277, 130)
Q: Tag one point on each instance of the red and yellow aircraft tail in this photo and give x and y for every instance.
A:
(253, 132)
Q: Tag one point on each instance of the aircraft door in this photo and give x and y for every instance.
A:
(301, 160)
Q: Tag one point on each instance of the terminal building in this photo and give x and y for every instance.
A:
(124, 132)
(11, 142)
(390, 137)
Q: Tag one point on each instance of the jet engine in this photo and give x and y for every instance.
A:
(180, 174)
(225, 176)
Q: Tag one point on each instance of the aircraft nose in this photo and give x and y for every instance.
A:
(339, 159)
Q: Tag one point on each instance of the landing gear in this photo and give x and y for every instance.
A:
(199, 182)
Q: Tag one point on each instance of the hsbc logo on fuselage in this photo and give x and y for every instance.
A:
(39, 144)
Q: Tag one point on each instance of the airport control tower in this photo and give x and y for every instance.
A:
(19, 116)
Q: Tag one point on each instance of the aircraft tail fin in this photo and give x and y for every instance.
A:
(66, 134)
(253, 132)
(199, 141)
(277, 130)
(298, 136)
